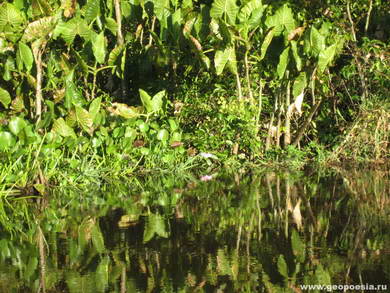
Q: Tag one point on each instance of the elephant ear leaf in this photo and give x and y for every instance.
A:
(146, 100)
(24, 57)
(99, 47)
(157, 101)
(224, 9)
(84, 119)
(326, 57)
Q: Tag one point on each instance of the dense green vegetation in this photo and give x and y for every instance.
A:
(124, 85)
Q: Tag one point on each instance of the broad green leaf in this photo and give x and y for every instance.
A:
(146, 100)
(267, 41)
(73, 95)
(282, 266)
(25, 55)
(112, 25)
(69, 30)
(314, 42)
(161, 10)
(163, 135)
(84, 119)
(60, 127)
(17, 104)
(299, 84)
(40, 7)
(155, 224)
(92, 10)
(97, 238)
(283, 62)
(10, 15)
(326, 57)
(31, 267)
(7, 140)
(251, 9)
(39, 29)
(102, 274)
(99, 47)
(16, 124)
(94, 107)
(281, 20)
(224, 9)
(114, 55)
(298, 247)
(5, 97)
(297, 58)
(225, 57)
(157, 101)
(124, 110)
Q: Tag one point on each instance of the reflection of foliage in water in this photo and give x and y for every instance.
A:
(266, 231)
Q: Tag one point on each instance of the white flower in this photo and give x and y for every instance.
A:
(206, 178)
(208, 155)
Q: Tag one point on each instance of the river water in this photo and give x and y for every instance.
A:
(229, 232)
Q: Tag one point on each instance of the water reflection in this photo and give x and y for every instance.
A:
(258, 232)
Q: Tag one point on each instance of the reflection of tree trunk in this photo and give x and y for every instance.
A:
(123, 279)
(42, 261)
(288, 205)
(268, 181)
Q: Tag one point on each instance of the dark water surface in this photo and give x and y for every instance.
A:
(257, 232)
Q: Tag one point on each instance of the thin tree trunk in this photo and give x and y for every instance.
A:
(239, 90)
(307, 122)
(287, 134)
(120, 41)
(38, 93)
(248, 81)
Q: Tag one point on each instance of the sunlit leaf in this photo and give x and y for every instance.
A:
(84, 119)
(25, 55)
(94, 107)
(62, 128)
(225, 57)
(283, 62)
(10, 15)
(7, 140)
(92, 10)
(282, 19)
(17, 104)
(300, 84)
(224, 9)
(163, 135)
(5, 97)
(314, 42)
(16, 124)
(326, 57)
(267, 41)
(99, 47)
(39, 29)
(124, 110)
(297, 58)
(146, 100)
